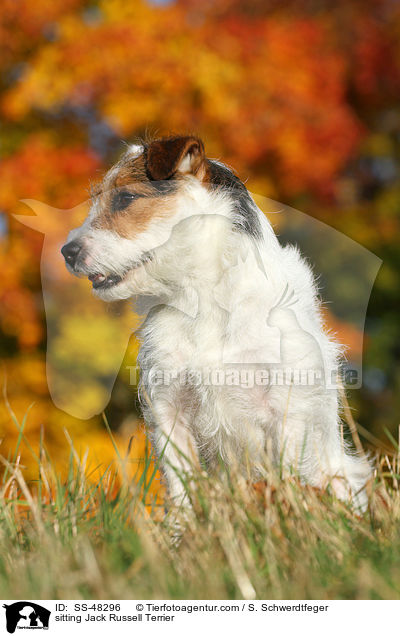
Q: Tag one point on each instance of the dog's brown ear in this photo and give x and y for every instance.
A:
(171, 155)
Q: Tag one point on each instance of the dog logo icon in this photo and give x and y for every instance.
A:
(26, 615)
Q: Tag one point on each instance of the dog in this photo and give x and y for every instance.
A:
(235, 361)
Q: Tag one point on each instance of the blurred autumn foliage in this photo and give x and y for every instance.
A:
(301, 97)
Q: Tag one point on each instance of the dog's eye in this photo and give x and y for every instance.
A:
(121, 200)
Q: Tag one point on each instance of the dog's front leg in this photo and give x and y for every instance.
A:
(176, 450)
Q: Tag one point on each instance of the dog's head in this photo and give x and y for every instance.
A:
(137, 208)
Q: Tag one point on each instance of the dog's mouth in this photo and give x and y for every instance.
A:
(106, 281)
(100, 281)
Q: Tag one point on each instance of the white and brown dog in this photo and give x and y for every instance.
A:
(171, 224)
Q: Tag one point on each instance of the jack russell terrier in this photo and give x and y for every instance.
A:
(232, 304)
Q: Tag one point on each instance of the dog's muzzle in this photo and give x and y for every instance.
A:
(73, 254)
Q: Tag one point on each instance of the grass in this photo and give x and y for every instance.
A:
(106, 538)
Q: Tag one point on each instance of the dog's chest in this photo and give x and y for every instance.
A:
(191, 354)
(184, 341)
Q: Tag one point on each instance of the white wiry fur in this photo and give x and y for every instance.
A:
(231, 301)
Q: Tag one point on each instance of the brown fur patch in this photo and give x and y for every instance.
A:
(137, 217)
(164, 155)
(130, 174)
(130, 170)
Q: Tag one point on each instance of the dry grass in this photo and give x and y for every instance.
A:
(73, 538)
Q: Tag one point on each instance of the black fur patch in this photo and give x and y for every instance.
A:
(246, 213)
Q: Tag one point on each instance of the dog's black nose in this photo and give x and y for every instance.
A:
(70, 252)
